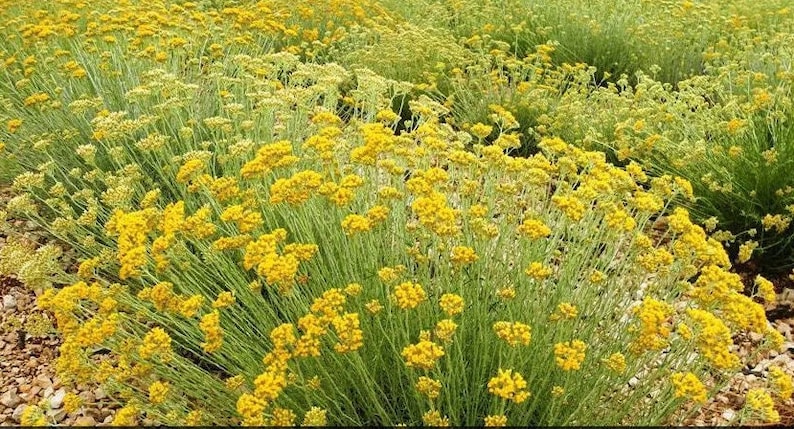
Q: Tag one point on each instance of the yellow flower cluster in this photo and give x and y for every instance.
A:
(654, 326)
(323, 118)
(688, 385)
(509, 385)
(428, 387)
(514, 333)
(570, 354)
(760, 403)
(422, 355)
(408, 295)
(463, 255)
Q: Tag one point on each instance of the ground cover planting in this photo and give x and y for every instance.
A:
(423, 213)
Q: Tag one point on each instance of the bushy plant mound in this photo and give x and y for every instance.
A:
(268, 240)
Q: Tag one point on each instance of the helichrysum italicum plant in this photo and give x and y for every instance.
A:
(259, 245)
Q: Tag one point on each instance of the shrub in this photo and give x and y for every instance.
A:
(259, 245)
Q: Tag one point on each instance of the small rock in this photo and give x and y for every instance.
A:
(58, 415)
(9, 302)
(10, 398)
(87, 397)
(17, 414)
(85, 421)
(633, 382)
(48, 391)
(43, 381)
(99, 393)
(728, 414)
(57, 399)
(108, 419)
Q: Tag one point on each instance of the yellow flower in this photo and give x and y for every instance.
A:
(451, 304)
(422, 355)
(570, 354)
(408, 295)
(445, 329)
(157, 392)
(565, 311)
(597, 277)
(349, 333)
(538, 271)
(761, 404)
(193, 418)
(353, 289)
(513, 333)
(315, 417)
(251, 408)
(72, 402)
(496, 421)
(746, 251)
(654, 326)
(781, 383)
(224, 300)
(688, 385)
(766, 289)
(156, 343)
(428, 387)
(13, 125)
(191, 306)
(480, 130)
(714, 339)
(509, 385)
(353, 224)
(506, 293)
(210, 325)
(534, 229)
(570, 205)
(126, 416)
(389, 274)
(433, 418)
(32, 415)
(374, 306)
(616, 362)
(269, 385)
(234, 383)
(462, 255)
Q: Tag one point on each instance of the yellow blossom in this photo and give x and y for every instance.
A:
(570, 354)
(689, 386)
(509, 385)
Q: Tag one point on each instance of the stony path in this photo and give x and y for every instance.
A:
(28, 376)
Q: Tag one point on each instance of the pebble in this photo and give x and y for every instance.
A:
(58, 415)
(9, 302)
(99, 393)
(17, 414)
(56, 401)
(10, 398)
(85, 421)
(728, 414)
(43, 381)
